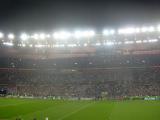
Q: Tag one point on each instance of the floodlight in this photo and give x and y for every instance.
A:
(59, 45)
(158, 28)
(138, 41)
(42, 36)
(145, 41)
(85, 44)
(62, 35)
(144, 29)
(129, 30)
(128, 42)
(88, 33)
(78, 34)
(153, 40)
(137, 30)
(11, 36)
(151, 29)
(108, 32)
(71, 45)
(1, 35)
(65, 35)
(85, 33)
(35, 36)
(112, 32)
(98, 44)
(24, 36)
(39, 46)
(120, 31)
(55, 35)
(91, 33)
(48, 35)
(109, 43)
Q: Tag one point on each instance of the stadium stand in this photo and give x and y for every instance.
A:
(90, 71)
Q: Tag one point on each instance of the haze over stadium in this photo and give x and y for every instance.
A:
(79, 60)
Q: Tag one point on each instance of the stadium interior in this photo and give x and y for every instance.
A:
(81, 64)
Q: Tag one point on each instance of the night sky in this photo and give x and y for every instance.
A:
(17, 15)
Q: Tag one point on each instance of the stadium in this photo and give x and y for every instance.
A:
(81, 75)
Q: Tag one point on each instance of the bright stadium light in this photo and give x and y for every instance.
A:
(71, 45)
(148, 29)
(120, 31)
(108, 32)
(137, 30)
(91, 33)
(62, 35)
(128, 42)
(158, 28)
(98, 44)
(42, 36)
(112, 32)
(144, 29)
(59, 45)
(48, 35)
(85, 45)
(1, 35)
(151, 29)
(153, 40)
(85, 33)
(39, 46)
(11, 36)
(109, 43)
(24, 36)
(88, 33)
(138, 41)
(78, 34)
(129, 30)
(35, 36)
(55, 35)
(145, 41)
(65, 35)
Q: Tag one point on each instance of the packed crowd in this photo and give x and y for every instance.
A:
(89, 77)
(84, 83)
(96, 61)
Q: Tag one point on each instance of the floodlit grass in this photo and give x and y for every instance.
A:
(28, 109)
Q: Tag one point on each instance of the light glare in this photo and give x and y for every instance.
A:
(24, 36)
(35, 36)
(11, 36)
(1, 35)
(42, 36)
(108, 32)
(62, 35)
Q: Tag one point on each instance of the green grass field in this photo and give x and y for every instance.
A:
(28, 109)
